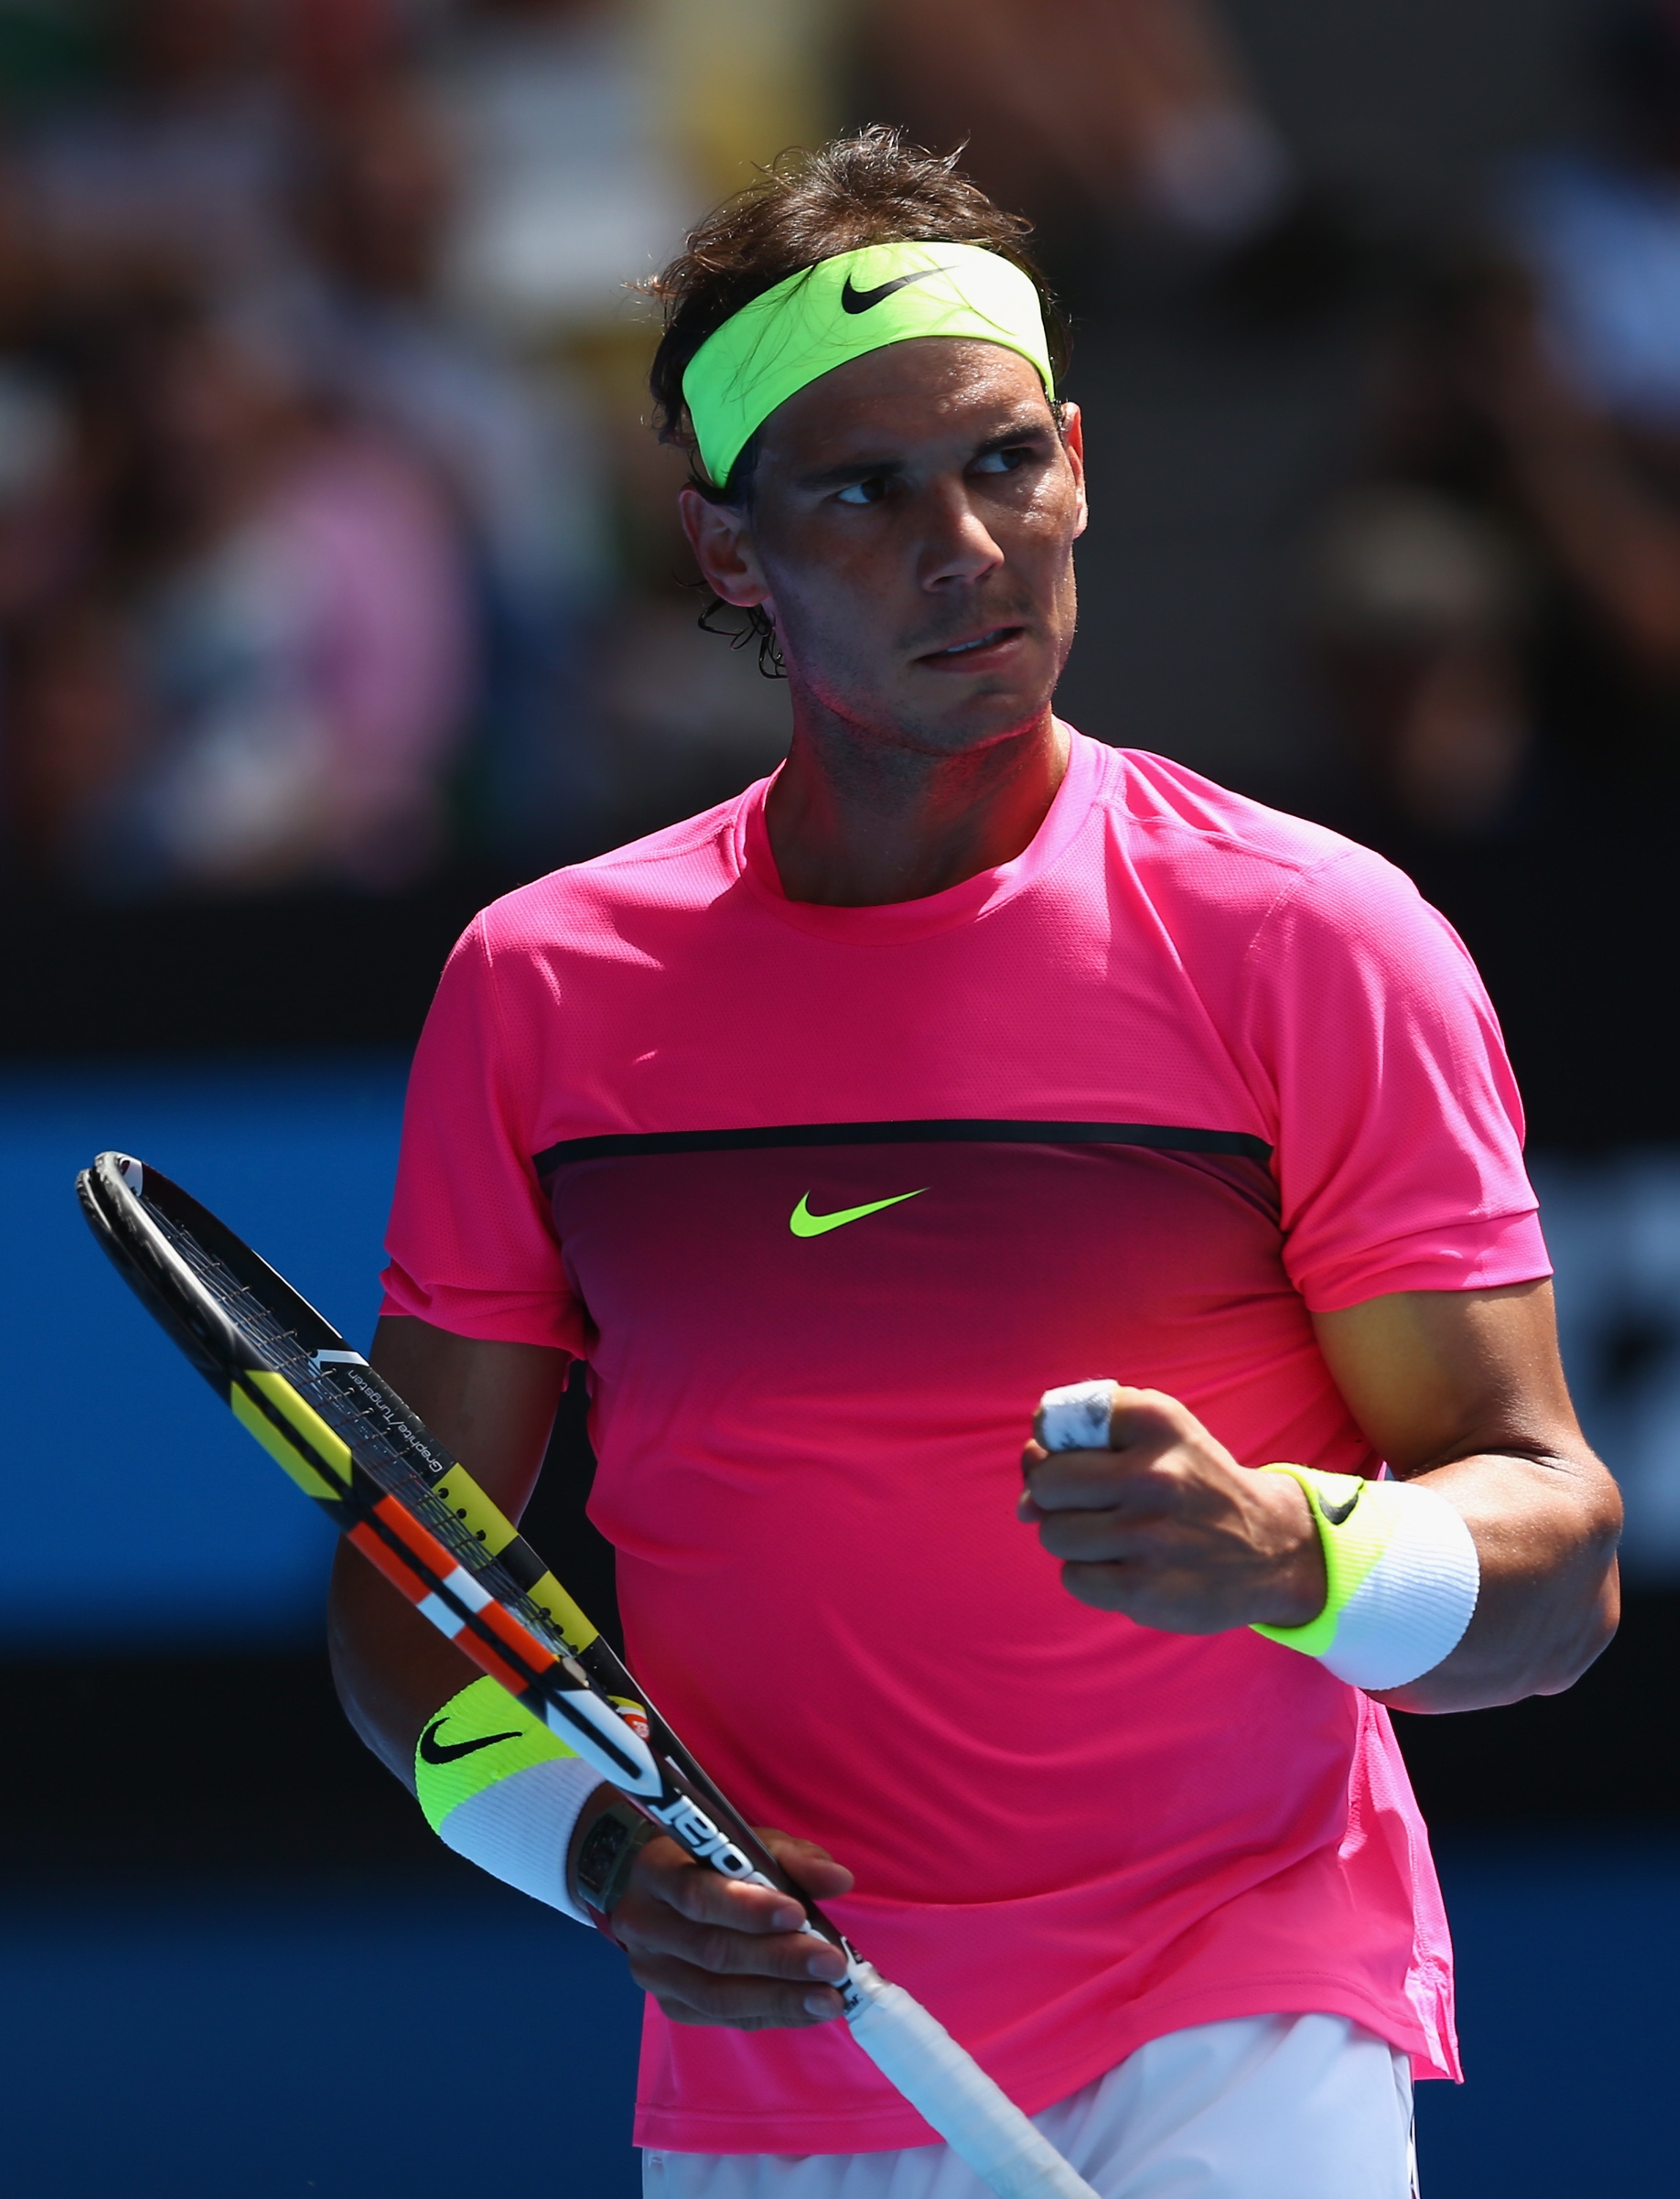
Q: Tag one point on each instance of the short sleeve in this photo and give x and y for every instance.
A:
(1399, 1127)
(471, 1244)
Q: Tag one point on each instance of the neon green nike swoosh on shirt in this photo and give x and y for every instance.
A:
(804, 1224)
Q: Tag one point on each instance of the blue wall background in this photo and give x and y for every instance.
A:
(153, 1519)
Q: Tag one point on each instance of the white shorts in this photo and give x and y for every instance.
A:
(1264, 2106)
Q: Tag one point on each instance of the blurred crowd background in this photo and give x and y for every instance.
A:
(334, 550)
(341, 588)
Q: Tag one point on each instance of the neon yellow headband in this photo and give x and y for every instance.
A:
(819, 318)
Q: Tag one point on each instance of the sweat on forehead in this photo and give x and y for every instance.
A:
(840, 309)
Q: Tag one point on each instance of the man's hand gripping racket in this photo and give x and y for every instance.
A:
(348, 1441)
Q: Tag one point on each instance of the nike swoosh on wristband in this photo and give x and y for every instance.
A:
(437, 1752)
(804, 1224)
(1339, 1515)
(860, 301)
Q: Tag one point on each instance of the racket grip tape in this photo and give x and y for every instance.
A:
(975, 2118)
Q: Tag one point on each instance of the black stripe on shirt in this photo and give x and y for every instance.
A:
(953, 1130)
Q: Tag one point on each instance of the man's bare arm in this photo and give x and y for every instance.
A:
(1463, 1388)
(494, 1406)
(710, 1951)
(1465, 1391)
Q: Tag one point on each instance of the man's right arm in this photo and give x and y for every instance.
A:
(493, 1407)
(709, 1952)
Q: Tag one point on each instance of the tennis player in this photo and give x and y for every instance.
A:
(963, 1060)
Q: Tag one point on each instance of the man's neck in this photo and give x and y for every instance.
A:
(855, 822)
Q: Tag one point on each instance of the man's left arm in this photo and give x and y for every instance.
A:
(1460, 1390)
(1464, 1392)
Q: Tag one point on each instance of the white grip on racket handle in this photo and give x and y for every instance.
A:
(974, 2116)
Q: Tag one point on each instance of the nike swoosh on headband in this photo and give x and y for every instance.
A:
(804, 1224)
(820, 318)
(860, 301)
(438, 1752)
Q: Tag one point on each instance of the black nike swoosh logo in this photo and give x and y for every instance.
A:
(860, 301)
(1339, 1515)
(434, 1750)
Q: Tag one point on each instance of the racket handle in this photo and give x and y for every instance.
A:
(947, 2088)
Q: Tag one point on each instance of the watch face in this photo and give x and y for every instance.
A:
(603, 1844)
(603, 1856)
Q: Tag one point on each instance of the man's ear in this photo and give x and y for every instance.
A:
(720, 537)
(1073, 442)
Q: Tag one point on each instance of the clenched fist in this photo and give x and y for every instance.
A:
(1165, 1526)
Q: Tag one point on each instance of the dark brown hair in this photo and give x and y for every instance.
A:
(871, 188)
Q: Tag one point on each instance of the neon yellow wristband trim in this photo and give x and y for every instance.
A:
(495, 1736)
(1355, 1528)
(840, 309)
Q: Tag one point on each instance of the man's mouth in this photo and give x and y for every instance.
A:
(955, 652)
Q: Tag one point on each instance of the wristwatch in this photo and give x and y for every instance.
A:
(608, 1854)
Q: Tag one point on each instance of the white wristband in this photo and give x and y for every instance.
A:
(1404, 1576)
(502, 1791)
(520, 1830)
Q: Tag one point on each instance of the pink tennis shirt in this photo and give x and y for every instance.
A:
(1184, 1071)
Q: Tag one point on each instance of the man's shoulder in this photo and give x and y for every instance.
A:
(681, 868)
(1212, 847)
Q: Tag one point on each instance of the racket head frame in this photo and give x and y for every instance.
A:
(253, 1328)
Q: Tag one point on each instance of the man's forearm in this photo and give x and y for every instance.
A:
(1545, 1530)
(394, 1671)
(491, 1406)
(1504, 1551)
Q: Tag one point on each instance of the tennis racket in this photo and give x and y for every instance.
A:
(348, 1441)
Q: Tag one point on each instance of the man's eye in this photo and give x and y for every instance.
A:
(863, 491)
(1001, 462)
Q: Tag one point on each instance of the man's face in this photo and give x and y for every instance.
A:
(910, 531)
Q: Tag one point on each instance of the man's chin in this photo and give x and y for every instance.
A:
(981, 721)
(935, 713)
(983, 707)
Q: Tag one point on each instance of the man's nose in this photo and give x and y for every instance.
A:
(960, 546)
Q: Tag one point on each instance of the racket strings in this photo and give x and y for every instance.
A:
(384, 1450)
(382, 1447)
